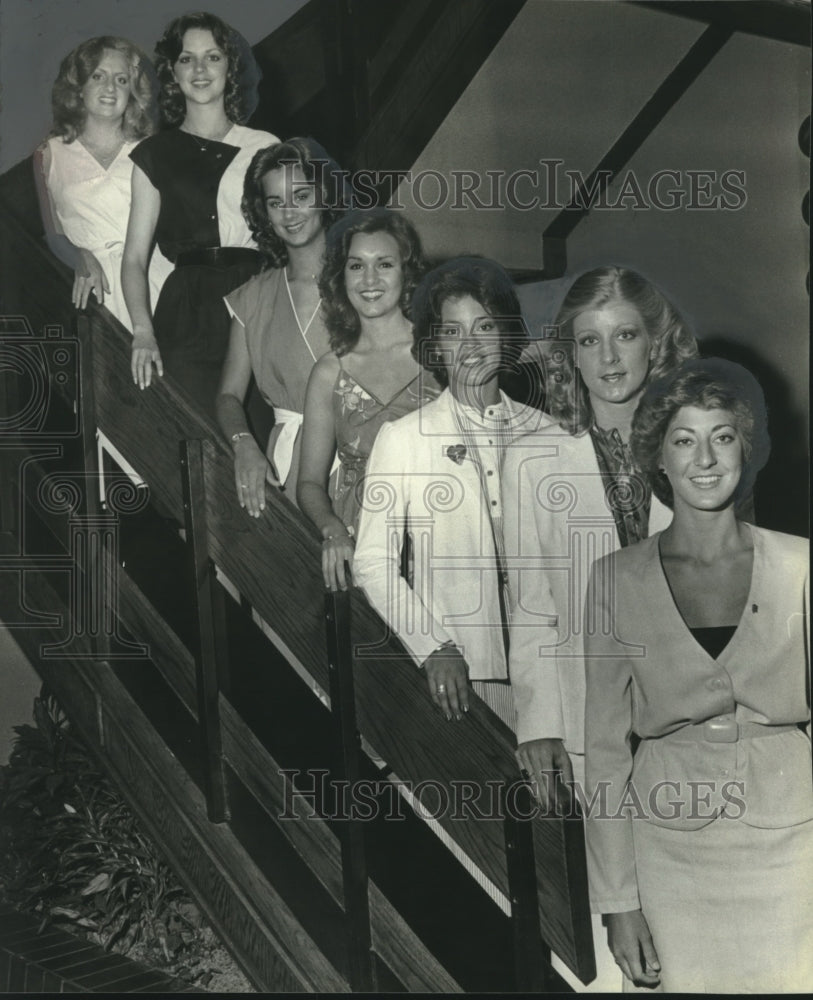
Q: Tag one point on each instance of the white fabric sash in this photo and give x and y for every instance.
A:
(283, 455)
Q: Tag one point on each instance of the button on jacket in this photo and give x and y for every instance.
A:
(422, 476)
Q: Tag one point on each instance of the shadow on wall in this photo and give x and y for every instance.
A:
(782, 490)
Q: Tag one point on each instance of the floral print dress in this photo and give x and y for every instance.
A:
(358, 417)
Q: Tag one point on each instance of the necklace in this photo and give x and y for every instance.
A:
(203, 141)
(307, 327)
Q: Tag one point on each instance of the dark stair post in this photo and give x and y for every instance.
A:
(346, 745)
(210, 650)
(531, 955)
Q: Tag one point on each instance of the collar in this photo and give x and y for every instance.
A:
(611, 436)
(501, 413)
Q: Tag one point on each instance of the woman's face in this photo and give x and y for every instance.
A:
(612, 351)
(373, 275)
(291, 206)
(107, 90)
(201, 68)
(469, 341)
(702, 457)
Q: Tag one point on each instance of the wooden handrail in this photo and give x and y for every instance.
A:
(274, 562)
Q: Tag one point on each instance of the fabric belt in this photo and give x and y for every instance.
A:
(283, 455)
(218, 257)
(282, 458)
(726, 729)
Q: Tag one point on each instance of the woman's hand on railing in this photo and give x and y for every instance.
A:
(545, 762)
(145, 355)
(337, 560)
(252, 471)
(631, 944)
(448, 677)
(89, 277)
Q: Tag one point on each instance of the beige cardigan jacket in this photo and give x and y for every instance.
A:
(646, 674)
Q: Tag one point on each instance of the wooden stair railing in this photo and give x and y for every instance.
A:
(393, 712)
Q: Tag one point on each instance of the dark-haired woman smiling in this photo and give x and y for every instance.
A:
(373, 263)
(293, 192)
(187, 187)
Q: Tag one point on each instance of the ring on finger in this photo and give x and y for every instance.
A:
(441, 688)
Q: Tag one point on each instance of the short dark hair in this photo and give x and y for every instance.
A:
(672, 341)
(341, 319)
(242, 78)
(487, 283)
(318, 167)
(710, 384)
(76, 69)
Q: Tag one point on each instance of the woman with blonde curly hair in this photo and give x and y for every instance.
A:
(187, 189)
(103, 105)
(574, 493)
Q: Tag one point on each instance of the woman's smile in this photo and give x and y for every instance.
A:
(202, 67)
(291, 205)
(106, 93)
(702, 457)
(373, 274)
(470, 340)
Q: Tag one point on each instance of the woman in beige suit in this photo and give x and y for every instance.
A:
(700, 845)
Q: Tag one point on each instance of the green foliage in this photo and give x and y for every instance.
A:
(72, 852)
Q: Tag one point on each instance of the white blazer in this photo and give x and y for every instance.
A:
(419, 479)
(557, 522)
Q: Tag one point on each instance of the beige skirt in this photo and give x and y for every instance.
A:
(730, 906)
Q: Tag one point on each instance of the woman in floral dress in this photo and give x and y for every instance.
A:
(372, 264)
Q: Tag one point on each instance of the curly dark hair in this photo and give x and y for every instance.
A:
(487, 283)
(710, 384)
(341, 319)
(76, 69)
(672, 341)
(318, 168)
(242, 78)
